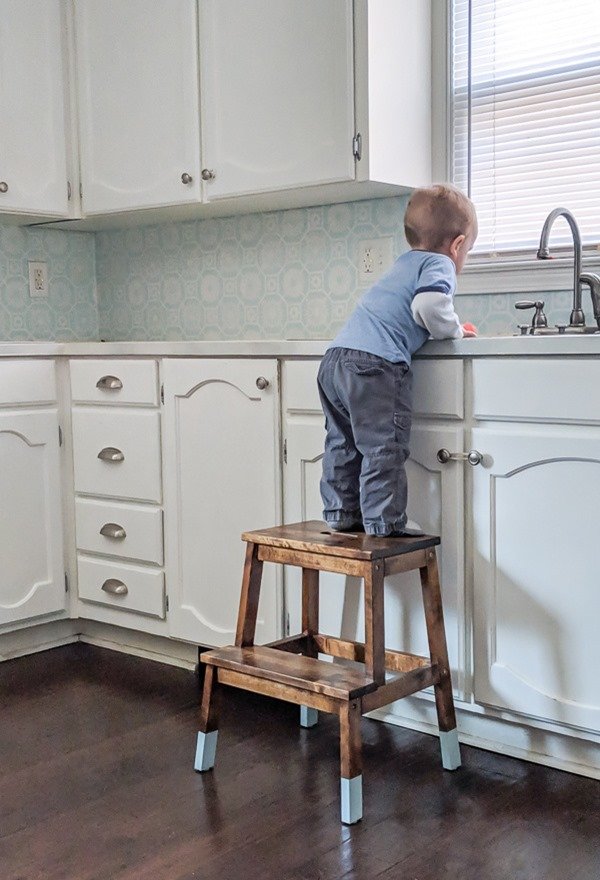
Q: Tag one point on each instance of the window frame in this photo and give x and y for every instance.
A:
(511, 272)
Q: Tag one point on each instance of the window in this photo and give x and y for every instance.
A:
(525, 117)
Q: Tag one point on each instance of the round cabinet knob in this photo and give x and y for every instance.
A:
(208, 174)
(444, 456)
(262, 383)
(3, 186)
(186, 178)
(474, 457)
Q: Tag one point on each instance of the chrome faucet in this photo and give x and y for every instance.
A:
(577, 317)
(594, 283)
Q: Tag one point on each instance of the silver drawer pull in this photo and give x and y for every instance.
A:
(114, 587)
(473, 457)
(109, 383)
(112, 530)
(111, 453)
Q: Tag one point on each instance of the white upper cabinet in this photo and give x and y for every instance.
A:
(223, 106)
(277, 94)
(33, 151)
(137, 71)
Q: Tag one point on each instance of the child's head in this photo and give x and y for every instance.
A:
(441, 219)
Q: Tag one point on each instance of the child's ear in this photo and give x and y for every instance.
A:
(456, 244)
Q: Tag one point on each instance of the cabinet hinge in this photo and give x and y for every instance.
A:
(285, 451)
(66, 583)
(357, 146)
(162, 393)
(80, 190)
(69, 190)
(287, 624)
(166, 603)
(60, 436)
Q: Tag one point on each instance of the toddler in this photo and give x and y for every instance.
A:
(365, 379)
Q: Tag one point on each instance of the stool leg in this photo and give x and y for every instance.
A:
(436, 634)
(308, 717)
(207, 738)
(350, 763)
(250, 594)
(310, 625)
(374, 623)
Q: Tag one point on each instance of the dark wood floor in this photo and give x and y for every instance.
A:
(96, 752)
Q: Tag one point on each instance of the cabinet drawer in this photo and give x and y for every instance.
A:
(437, 387)
(536, 389)
(114, 382)
(132, 531)
(24, 381)
(143, 589)
(134, 436)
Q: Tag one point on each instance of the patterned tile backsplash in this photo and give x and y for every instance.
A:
(280, 275)
(70, 311)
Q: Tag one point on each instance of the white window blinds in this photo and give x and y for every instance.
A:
(526, 117)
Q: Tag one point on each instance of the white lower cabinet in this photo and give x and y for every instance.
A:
(118, 485)
(32, 575)
(537, 601)
(435, 502)
(221, 466)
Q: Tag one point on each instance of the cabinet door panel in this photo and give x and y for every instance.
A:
(138, 103)
(537, 601)
(32, 575)
(220, 472)
(435, 502)
(33, 156)
(277, 94)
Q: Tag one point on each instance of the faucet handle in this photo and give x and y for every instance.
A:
(539, 319)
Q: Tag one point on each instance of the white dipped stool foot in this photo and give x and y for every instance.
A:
(351, 800)
(308, 717)
(450, 749)
(205, 751)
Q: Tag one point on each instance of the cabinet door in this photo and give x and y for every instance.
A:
(435, 501)
(221, 464)
(277, 94)
(537, 602)
(32, 578)
(33, 155)
(138, 103)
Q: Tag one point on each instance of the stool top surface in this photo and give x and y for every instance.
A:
(314, 536)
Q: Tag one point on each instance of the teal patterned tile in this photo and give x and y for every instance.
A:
(283, 274)
(70, 311)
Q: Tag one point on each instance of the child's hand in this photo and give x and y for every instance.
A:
(469, 329)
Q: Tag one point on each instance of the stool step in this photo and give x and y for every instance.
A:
(293, 670)
(315, 537)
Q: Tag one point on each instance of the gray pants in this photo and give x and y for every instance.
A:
(367, 405)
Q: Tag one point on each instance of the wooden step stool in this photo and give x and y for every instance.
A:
(289, 669)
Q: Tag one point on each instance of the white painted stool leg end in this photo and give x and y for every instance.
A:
(450, 749)
(308, 717)
(206, 750)
(351, 800)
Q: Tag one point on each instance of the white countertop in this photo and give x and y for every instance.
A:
(483, 346)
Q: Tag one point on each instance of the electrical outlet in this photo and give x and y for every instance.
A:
(375, 256)
(38, 279)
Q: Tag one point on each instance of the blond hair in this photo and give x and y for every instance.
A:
(435, 215)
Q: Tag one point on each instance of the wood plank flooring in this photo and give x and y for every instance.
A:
(96, 783)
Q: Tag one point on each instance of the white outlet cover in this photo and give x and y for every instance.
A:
(38, 279)
(375, 256)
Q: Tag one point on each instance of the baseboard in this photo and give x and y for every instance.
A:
(41, 637)
(512, 738)
(139, 644)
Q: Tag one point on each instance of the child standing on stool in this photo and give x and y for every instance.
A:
(365, 379)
